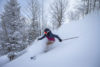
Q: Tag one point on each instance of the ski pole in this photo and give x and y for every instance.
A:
(70, 38)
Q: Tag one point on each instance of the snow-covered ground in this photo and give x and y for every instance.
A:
(3, 60)
(80, 52)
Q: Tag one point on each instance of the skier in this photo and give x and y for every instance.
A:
(51, 39)
(50, 36)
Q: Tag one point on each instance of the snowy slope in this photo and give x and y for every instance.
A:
(80, 52)
(3, 60)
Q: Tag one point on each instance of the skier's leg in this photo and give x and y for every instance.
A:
(48, 44)
(46, 48)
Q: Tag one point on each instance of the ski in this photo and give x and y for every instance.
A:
(33, 58)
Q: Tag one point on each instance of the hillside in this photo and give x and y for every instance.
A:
(80, 52)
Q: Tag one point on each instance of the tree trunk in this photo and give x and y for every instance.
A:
(94, 6)
(99, 4)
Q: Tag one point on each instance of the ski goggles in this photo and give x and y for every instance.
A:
(46, 32)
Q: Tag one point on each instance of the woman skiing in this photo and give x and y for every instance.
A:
(50, 36)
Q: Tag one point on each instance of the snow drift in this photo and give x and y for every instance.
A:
(80, 52)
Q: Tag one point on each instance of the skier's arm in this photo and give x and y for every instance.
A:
(42, 37)
(56, 36)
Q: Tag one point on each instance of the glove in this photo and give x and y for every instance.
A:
(60, 40)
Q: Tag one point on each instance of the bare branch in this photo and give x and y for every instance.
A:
(58, 10)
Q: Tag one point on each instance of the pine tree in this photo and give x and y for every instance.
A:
(11, 25)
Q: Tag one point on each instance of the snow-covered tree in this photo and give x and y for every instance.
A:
(34, 10)
(82, 8)
(58, 11)
(11, 24)
(90, 5)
